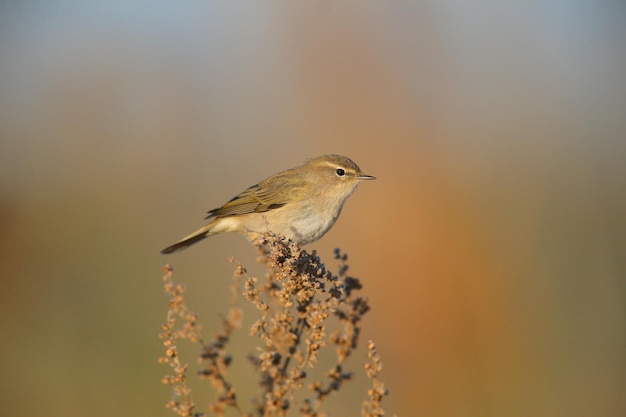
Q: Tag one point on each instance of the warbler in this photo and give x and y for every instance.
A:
(300, 203)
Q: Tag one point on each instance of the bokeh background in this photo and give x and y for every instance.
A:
(492, 246)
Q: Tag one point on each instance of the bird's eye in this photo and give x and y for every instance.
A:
(340, 172)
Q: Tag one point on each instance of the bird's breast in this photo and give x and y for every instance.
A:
(303, 221)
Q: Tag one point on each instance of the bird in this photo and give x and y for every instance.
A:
(300, 203)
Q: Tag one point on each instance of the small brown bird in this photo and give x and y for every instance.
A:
(300, 203)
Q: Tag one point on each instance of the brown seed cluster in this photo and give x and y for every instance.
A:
(372, 406)
(171, 333)
(216, 360)
(296, 304)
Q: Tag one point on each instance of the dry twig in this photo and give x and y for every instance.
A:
(294, 304)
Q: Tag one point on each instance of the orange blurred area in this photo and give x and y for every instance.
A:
(491, 246)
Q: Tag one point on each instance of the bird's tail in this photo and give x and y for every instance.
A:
(196, 236)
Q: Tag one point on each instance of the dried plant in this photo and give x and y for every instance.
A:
(295, 303)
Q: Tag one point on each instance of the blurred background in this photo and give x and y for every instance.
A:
(492, 247)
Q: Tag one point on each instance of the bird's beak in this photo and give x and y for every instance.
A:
(362, 177)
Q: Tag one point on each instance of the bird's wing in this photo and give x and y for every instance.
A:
(267, 195)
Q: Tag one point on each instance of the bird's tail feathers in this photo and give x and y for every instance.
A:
(195, 237)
